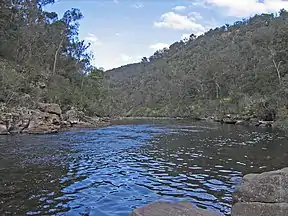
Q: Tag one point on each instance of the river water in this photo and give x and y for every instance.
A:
(112, 170)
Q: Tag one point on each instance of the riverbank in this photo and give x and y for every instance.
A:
(263, 194)
(233, 119)
(43, 119)
(49, 118)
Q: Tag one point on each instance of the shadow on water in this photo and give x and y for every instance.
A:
(112, 170)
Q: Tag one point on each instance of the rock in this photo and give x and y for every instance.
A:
(41, 122)
(41, 85)
(3, 129)
(267, 187)
(73, 116)
(241, 122)
(162, 208)
(217, 119)
(46, 119)
(254, 122)
(77, 118)
(228, 116)
(260, 209)
(246, 117)
(266, 123)
(262, 194)
(50, 108)
(22, 120)
(229, 121)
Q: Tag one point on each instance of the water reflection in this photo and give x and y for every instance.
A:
(112, 170)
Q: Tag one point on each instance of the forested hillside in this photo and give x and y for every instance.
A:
(43, 60)
(240, 68)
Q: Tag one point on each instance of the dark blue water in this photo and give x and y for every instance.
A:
(110, 171)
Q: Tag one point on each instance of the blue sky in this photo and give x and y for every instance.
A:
(123, 31)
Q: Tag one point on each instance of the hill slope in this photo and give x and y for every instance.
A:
(43, 60)
(240, 68)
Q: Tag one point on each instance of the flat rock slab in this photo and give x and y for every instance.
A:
(260, 209)
(267, 187)
(162, 208)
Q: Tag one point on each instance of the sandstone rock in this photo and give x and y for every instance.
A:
(72, 116)
(46, 119)
(266, 123)
(162, 208)
(41, 122)
(260, 209)
(77, 118)
(241, 122)
(262, 194)
(3, 129)
(229, 121)
(50, 108)
(267, 187)
(254, 122)
(23, 120)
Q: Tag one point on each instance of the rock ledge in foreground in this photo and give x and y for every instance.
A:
(163, 208)
(262, 194)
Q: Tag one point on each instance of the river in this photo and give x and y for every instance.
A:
(110, 171)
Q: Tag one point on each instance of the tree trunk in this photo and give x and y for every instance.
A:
(275, 65)
(277, 70)
(56, 56)
(217, 90)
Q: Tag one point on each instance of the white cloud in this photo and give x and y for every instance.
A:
(195, 16)
(93, 39)
(176, 21)
(125, 59)
(158, 46)
(200, 3)
(118, 34)
(179, 8)
(138, 5)
(185, 36)
(246, 8)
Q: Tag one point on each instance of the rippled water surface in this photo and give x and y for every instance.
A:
(110, 171)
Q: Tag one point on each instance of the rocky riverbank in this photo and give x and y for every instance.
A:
(262, 194)
(247, 120)
(46, 118)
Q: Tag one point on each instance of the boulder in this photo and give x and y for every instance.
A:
(262, 194)
(260, 209)
(3, 129)
(229, 121)
(162, 208)
(43, 122)
(22, 120)
(74, 117)
(241, 122)
(47, 118)
(267, 187)
(50, 108)
(266, 123)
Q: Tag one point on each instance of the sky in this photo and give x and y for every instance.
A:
(124, 31)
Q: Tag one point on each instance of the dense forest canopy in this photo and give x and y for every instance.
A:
(237, 68)
(42, 58)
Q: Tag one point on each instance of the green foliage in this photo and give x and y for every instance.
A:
(240, 68)
(42, 58)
